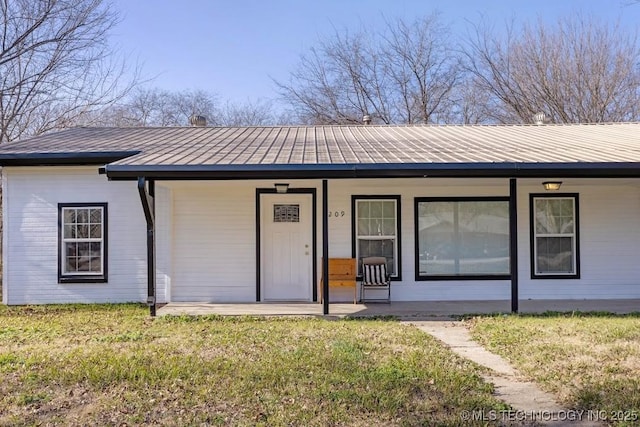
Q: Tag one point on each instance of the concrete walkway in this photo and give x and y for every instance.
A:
(527, 399)
(400, 309)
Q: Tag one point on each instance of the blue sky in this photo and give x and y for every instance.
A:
(233, 48)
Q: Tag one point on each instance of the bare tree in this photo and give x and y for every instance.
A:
(471, 105)
(156, 107)
(577, 71)
(193, 102)
(404, 74)
(249, 113)
(55, 64)
(330, 85)
(422, 69)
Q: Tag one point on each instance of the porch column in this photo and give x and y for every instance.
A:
(325, 247)
(147, 197)
(513, 243)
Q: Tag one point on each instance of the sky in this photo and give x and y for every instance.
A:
(235, 48)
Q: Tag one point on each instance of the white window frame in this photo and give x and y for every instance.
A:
(574, 235)
(395, 238)
(81, 276)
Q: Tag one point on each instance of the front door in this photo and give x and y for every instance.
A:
(286, 252)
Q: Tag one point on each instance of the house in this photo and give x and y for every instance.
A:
(215, 214)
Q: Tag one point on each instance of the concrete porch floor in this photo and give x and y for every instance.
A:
(401, 309)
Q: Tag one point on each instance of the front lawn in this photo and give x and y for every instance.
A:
(113, 365)
(590, 362)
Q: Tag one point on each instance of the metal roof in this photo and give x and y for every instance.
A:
(340, 151)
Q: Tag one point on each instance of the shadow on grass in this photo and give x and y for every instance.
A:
(69, 308)
(552, 314)
(199, 318)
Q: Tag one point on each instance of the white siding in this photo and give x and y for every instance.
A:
(164, 242)
(409, 289)
(5, 233)
(213, 241)
(214, 238)
(609, 234)
(31, 235)
(206, 237)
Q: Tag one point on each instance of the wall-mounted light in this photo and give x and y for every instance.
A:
(281, 187)
(552, 185)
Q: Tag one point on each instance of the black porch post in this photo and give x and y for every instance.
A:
(325, 247)
(147, 197)
(513, 243)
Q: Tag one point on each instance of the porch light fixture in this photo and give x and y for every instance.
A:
(552, 185)
(281, 187)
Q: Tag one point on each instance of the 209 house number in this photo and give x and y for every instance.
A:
(336, 214)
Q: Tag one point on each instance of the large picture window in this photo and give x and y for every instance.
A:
(83, 242)
(462, 237)
(554, 236)
(376, 232)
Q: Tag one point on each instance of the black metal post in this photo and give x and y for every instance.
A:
(325, 247)
(513, 243)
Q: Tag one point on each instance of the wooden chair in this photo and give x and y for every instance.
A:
(375, 278)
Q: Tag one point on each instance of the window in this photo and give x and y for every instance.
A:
(82, 242)
(286, 213)
(554, 236)
(376, 230)
(462, 237)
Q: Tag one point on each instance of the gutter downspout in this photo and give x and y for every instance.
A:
(147, 197)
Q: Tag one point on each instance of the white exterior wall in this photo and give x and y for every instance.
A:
(213, 241)
(164, 242)
(409, 289)
(609, 237)
(214, 238)
(30, 259)
(206, 237)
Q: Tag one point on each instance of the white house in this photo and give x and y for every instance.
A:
(193, 214)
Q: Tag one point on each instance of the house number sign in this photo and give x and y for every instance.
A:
(336, 214)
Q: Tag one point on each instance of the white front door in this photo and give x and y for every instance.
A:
(286, 252)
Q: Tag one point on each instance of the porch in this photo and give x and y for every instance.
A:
(401, 309)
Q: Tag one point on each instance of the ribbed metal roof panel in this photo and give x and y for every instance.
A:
(343, 145)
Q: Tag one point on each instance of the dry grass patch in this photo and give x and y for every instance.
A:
(590, 362)
(113, 365)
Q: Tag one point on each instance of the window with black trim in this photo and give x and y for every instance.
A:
(82, 234)
(554, 236)
(462, 237)
(376, 230)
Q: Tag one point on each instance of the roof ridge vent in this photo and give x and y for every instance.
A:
(197, 121)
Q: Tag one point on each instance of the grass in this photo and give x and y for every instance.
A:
(113, 365)
(590, 361)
